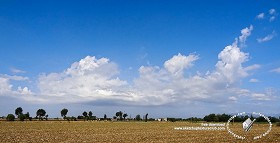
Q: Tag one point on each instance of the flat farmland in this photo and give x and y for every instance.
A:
(93, 131)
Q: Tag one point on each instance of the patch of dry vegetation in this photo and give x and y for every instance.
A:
(80, 131)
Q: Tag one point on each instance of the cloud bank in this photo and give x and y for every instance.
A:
(97, 80)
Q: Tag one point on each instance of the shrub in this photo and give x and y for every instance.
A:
(73, 118)
(278, 124)
(138, 117)
(10, 117)
(21, 117)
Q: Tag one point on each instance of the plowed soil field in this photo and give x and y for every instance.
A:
(93, 131)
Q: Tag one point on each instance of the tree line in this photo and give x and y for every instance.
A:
(225, 118)
(41, 115)
(121, 116)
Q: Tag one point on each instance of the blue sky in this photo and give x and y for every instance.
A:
(179, 58)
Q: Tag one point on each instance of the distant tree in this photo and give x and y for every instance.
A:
(119, 114)
(171, 119)
(10, 117)
(64, 112)
(85, 114)
(206, 118)
(146, 117)
(80, 117)
(18, 111)
(46, 117)
(105, 117)
(193, 119)
(238, 118)
(124, 116)
(211, 118)
(41, 113)
(138, 117)
(273, 119)
(260, 119)
(223, 117)
(21, 117)
(73, 118)
(27, 116)
(90, 115)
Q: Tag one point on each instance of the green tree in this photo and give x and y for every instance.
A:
(10, 117)
(21, 117)
(146, 117)
(124, 116)
(85, 114)
(119, 114)
(90, 115)
(211, 118)
(138, 117)
(27, 116)
(64, 112)
(224, 117)
(18, 111)
(41, 113)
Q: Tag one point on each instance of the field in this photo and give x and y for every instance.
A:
(93, 131)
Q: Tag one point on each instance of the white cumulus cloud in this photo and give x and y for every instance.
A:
(244, 34)
(230, 63)
(159, 85)
(93, 79)
(88, 78)
(24, 91)
(5, 86)
(178, 63)
(96, 80)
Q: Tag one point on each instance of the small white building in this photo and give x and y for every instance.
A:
(162, 119)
